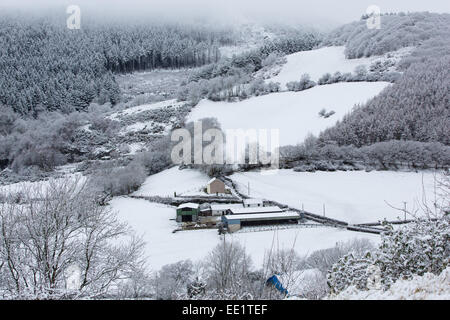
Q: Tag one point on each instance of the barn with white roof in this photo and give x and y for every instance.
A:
(254, 210)
(187, 212)
(221, 209)
(253, 203)
(234, 223)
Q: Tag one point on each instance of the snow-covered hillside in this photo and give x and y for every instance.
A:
(165, 183)
(295, 114)
(316, 63)
(355, 197)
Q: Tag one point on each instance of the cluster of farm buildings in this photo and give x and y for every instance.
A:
(234, 216)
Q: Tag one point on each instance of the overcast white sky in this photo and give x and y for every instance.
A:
(296, 11)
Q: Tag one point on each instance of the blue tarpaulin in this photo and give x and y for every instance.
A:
(273, 280)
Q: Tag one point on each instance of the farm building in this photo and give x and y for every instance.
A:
(221, 209)
(254, 210)
(234, 223)
(188, 212)
(215, 186)
(248, 203)
(204, 210)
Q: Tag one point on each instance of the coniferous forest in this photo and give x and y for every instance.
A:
(46, 67)
(416, 107)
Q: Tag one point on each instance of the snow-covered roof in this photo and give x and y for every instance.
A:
(188, 205)
(263, 216)
(219, 207)
(213, 179)
(252, 201)
(253, 210)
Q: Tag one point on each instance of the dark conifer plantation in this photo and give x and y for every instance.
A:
(46, 67)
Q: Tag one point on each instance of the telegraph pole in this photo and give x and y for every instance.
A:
(404, 208)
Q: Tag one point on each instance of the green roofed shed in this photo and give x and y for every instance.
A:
(188, 212)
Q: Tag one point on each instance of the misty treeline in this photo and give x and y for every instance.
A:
(417, 106)
(44, 66)
(233, 78)
(314, 155)
(408, 121)
(397, 31)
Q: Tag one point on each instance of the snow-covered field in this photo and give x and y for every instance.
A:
(295, 114)
(163, 247)
(43, 184)
(355, 197)
(316, 63)
(165, 183)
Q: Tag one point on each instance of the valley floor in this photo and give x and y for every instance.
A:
(153, 222)
(356, 197)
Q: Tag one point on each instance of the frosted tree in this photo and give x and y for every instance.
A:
(56, 228)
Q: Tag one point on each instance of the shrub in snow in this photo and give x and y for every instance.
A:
(314, 286)
(414, 249)
(420, 247)
(305, 168)
(325, 79)
(119, 181)
(324, 114)
(304, 83)
(173, 280)
(349, 271)
(258, 87)
(324, 259)
(228, 274)
(426, 287)
(271, 59)
(361, 72)
(281, 261)
(227, 265)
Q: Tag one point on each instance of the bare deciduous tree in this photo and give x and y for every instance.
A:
(58, 226)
